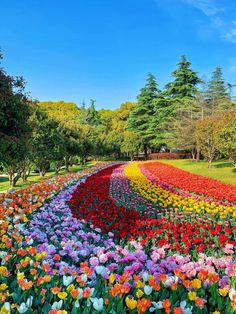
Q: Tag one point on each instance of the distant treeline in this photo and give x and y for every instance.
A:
(187, 115)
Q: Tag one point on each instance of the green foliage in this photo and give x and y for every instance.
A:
(227, 136)
(207, 137)
(216, 86)
(14, 129)
(186, 80)
(48, 144)
(131, 144)
(144, 110)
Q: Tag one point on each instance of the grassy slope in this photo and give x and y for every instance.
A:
(221, 170)
(35, 177)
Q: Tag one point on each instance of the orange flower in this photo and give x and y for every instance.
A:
(136, 277)
(166, 304)
(86, 293)
(80, 281)
(179, 274)
(187, 284)
(162, 277)
(21, 252)
(33, 271)
(202, 275)
(178, 310)
(106, 301)
(152, 282)
(32, 251)
(200, 302)
(55, 290)
(46, 267)
(40, 281)
(214, 278)
(143, 305)
(57, 257)
(174, 286)
(124, 278)
(43, 291)
(75, 293)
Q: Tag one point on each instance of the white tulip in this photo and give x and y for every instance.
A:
(67, 280)
(97, 304)
(147, 290)
(57, 305)
(156, 306)
(23, 308)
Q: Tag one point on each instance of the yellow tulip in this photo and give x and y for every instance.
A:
(131, 303)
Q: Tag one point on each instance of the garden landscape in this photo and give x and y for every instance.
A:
(110, 206)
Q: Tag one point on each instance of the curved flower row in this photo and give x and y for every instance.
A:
(192, 182)
(64, 265)
(182, 192)
(182, 232)
(165, 198)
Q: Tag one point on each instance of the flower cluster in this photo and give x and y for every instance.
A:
(158, 192)
(192, 182)
(96, 243)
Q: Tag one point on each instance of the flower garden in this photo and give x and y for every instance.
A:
(140, 237)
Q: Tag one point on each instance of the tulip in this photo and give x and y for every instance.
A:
(131, 303)
(97, 304)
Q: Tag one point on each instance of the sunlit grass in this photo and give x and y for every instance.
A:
(221, 170)
(35, 177)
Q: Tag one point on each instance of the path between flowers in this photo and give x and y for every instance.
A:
(117, 239)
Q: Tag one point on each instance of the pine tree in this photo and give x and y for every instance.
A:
(186, 80)
(144, 110)
(92, 116)
(217, 95)
(216, 87)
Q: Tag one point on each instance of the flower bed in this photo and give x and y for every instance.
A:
(192, 182)
(150, 187)
(96, 258)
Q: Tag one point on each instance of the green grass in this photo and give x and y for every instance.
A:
(221, 170)
(35, 177)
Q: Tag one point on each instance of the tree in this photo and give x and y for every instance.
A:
(144, 110)
(217, 94)
(67, 117)
(92, 116)
(207, 137)
(186, 80)
(217, 88)
(47, 141)
(131, 144)
(14, 128)
(227, 136)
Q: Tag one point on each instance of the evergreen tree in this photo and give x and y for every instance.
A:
(217, 88)
(186, 80)
(92, 116)
(143, 112)
(217, 96)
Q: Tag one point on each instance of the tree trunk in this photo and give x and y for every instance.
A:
(193, 154)
(42, 171)
(198, 154)
(13, 178)
(145, 151)
(209, 162)
(24, 174)
(67, 163)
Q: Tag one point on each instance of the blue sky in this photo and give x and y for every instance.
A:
(76, 50)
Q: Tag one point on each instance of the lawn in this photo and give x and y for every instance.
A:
(221, 170)
(35, 177)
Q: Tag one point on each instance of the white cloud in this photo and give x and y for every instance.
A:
(231, 34)
(208, 7)
(225, 28)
